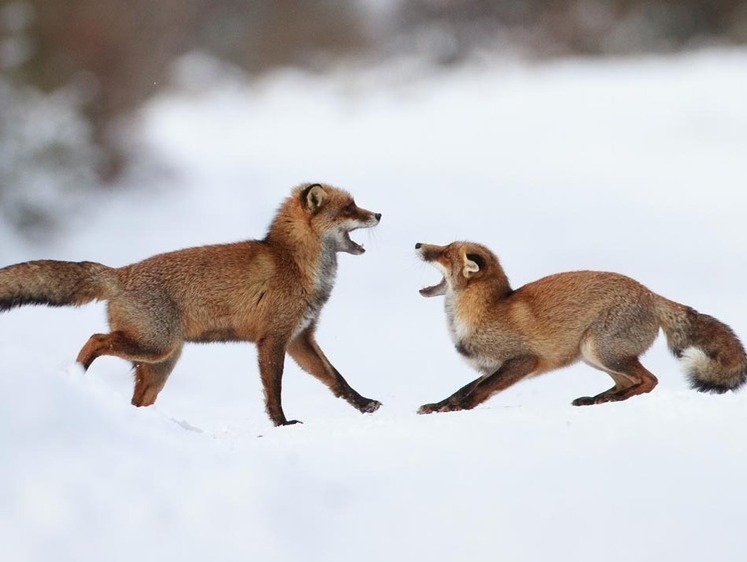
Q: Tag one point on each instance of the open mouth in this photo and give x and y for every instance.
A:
(435, 290)
(350, 246)
(346, 244)
(440, 288)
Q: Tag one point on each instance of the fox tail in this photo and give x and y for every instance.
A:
(56, 283)
(714, 357)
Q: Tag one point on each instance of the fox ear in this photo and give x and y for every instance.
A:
(472, 264)
(314, 197)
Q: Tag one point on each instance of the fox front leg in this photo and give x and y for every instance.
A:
(452, 403)
(271, 353)
(479, 390)
(306, 352)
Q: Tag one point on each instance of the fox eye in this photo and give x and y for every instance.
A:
(349, 209)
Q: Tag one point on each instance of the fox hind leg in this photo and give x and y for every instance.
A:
(150, 378)
(120, 344)
(631, 378)
(153, 363)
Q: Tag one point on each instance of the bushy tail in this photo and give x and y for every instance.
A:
(714, 356)
(56, 283)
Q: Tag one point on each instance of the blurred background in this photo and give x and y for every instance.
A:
(74, 73)
(563, 134)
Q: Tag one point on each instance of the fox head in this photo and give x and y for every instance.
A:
(333, 215)
(325, 213)
(462, 264)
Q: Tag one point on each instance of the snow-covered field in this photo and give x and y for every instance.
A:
(636, 166)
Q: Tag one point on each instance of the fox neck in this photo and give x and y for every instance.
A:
(326, 269)
(315, 257)
(459, 329)
(466, 308)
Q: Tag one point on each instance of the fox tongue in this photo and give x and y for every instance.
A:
(435, 290)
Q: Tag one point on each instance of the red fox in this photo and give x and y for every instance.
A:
(605, 319)
(268, 291)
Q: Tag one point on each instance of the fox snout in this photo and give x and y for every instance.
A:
(374, 219)
(363, 219)
(430, 253)
(368, 219)
(360, 218)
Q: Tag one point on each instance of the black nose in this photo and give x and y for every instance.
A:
(418, 246)
(378, 216)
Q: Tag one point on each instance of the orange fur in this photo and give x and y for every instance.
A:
(266, 291)
(606, 319)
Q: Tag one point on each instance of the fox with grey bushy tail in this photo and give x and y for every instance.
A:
(606, 319)
(268, 291)
(56, 283)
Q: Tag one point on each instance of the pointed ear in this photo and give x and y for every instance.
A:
(472, 265)
(314, 197)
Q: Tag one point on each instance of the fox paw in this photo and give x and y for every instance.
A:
(599, 399)
(585, 401)
(427, 409)
(438, 407)
(370, 406)
(363, 405)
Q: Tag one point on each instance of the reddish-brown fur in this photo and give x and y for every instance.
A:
(606, 319)
(266, 291)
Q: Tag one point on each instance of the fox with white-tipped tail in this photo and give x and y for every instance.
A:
(605, 319)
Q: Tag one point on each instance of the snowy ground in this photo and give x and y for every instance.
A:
(637, 166)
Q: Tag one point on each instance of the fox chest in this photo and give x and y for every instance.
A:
(323, 280)
(324, 277)
(469, 341)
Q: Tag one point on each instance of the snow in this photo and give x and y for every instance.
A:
(636, 166)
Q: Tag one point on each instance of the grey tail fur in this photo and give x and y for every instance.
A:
(712, 353)
(56, 283)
